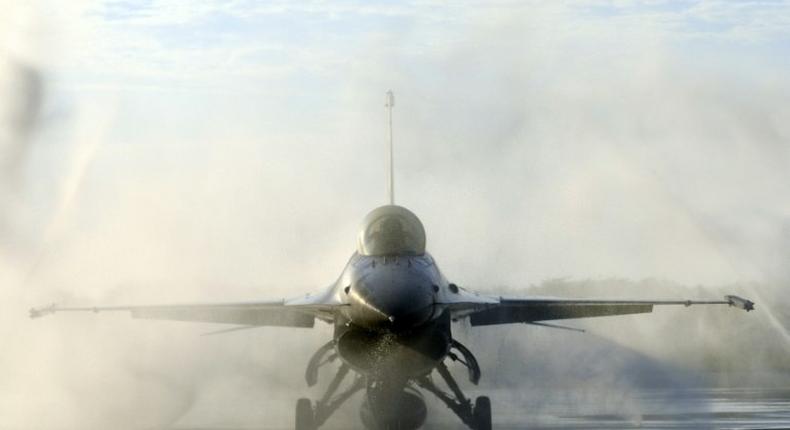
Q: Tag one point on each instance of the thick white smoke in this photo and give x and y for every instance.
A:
(534, 142)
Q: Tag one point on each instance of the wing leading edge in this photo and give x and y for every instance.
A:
(532, 310)
(277, 313)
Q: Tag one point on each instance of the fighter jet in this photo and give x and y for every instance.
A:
(392, 311)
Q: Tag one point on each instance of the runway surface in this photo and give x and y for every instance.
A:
(698, 409)
(690, 409)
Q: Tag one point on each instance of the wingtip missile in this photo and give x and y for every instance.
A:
(40, 312)
(740, 303)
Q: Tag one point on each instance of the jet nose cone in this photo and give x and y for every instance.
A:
(390, 299)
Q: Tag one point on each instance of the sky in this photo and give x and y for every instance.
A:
(636, 95)
(197, 151)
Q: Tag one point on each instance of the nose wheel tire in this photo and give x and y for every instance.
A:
(481, 414)
(305, 419)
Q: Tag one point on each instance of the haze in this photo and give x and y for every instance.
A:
(220, 152)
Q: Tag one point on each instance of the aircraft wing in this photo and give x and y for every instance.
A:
(295, 313)
(534, 310)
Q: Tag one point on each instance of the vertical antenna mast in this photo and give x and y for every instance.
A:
(391, 178)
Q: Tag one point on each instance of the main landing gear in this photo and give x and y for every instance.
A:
(305, 420)
(309, 416)
(476, 415)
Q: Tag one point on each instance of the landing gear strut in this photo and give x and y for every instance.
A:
(477, 417)
(309, 417)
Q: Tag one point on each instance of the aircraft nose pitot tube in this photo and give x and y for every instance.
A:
(391, 297)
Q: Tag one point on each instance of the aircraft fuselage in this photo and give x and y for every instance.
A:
(391, 327)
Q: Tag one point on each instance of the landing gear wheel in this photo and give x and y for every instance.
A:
(481, 414)
(305, 419)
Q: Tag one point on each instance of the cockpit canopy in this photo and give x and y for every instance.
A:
(391, 230)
